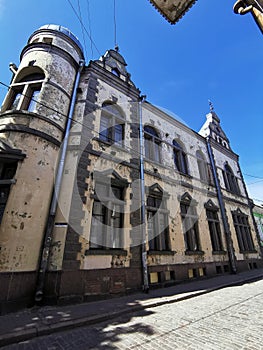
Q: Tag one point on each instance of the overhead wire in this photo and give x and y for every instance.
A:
(257, 177)
(89, 22)
(81, 22)
(115, 23)
(132, 151)
(82, 29)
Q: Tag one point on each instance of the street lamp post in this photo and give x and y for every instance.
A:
(255, 7)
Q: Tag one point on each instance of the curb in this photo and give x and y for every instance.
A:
(42, 330)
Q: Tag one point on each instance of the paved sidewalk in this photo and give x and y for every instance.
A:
(45, 320)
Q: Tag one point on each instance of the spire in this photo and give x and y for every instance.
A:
(211, 106)
(212, 128)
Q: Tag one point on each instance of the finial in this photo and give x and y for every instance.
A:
(116, 48)
(211, 106)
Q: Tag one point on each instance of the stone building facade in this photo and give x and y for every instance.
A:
(103, 193)
(258, 215)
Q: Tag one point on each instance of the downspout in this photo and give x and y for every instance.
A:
(145, 285)
(43, 265)
(230, 249)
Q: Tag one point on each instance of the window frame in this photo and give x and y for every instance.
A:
(243, 232)
(106, 200)
(231, 182)
(109, 133)
(156, 207)
(152, 144)
(180, 158)
(6, 180)
(214, 228)
(190, 224)
(26, 87)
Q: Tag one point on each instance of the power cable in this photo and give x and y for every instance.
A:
(132, 151)
(256, 182)
(89, 20)
(84, 27)
(256, 199)
(257, 177)
(82, 30)
(115, 23)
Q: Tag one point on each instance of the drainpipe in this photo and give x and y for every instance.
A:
(230, 249)
(145, 286)
(54, 202)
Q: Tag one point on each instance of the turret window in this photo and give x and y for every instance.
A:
(24, 93)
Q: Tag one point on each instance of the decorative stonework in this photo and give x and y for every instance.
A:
(173, 10)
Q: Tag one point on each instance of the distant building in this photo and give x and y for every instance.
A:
(75, 189)
(258, 214)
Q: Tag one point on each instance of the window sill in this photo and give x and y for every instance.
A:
(109, 144)
(184, 174)
(248, 251)
(219, 252)
(194, 252)
(234, 193)
(161, 252)
(106, 252)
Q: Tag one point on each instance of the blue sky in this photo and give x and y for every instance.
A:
(210, 54)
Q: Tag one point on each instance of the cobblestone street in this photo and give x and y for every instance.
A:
(230, 318)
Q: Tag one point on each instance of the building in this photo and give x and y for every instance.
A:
(103, 193)
(258, 215)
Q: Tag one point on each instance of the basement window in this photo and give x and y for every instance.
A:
(154, 277)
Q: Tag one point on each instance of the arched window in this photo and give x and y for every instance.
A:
(180, 160)
(25, 90)
(230, 179)
(202, 166)
(112, 124)
(152, 143)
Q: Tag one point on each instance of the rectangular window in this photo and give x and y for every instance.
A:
(214, 229)
(157, 223)
(243, 232)
(190, 227)
(107, 218)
